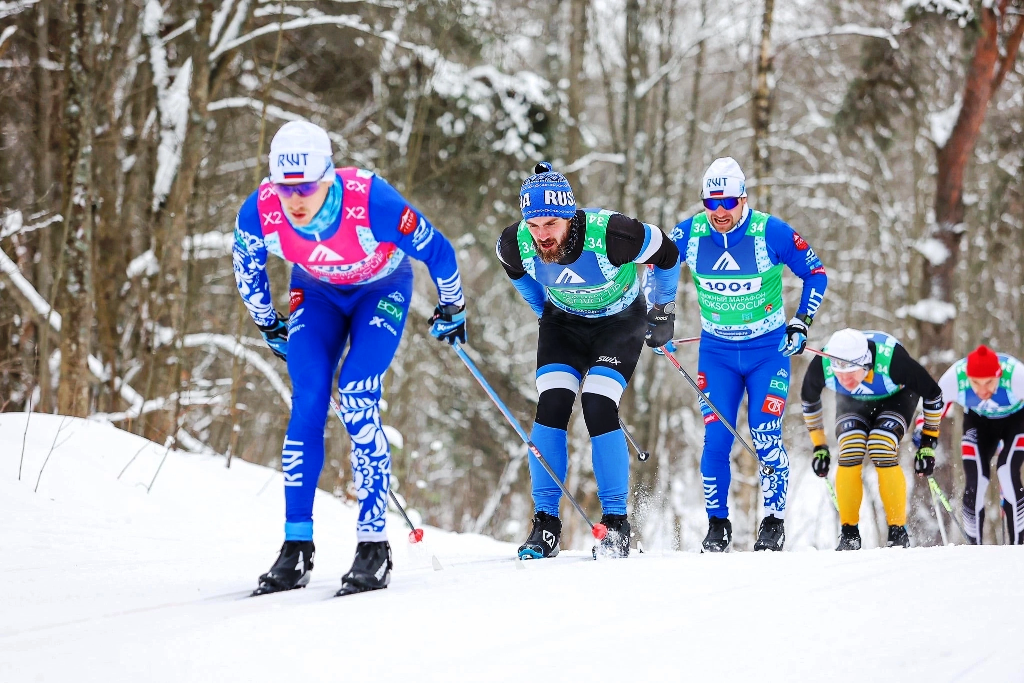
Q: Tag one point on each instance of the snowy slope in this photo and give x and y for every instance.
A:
(100, 581)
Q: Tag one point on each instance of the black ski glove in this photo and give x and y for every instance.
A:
(661, 321)
(821, 461)
(276, 335)
(449, 323)
(924, 461)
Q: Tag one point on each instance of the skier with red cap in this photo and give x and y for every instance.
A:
(990, 388)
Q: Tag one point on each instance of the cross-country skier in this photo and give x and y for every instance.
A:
(873, 409)
(348, 233)
(990, 388)
(736, 257)
(579, 272)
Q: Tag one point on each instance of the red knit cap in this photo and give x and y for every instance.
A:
(983, 362)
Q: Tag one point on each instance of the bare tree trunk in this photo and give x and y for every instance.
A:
(48, 241)
(693, 116)
(762, 194)
(75, 291)
(172, 287)
(983, 80)
(111, 253)
(627, 171)
(577, 78)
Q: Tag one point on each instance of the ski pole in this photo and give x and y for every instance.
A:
(832, 494)
(685, 340)
(818, 352)
(704, 397)
(598, 530)
(415, 535)
(937, 490)
(641, 454)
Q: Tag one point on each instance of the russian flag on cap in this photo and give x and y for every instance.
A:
(717, 193)
(294, 175)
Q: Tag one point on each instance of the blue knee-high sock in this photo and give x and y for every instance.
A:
(553, 445)
(611, 469)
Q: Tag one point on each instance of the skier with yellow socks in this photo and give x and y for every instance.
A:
(877, 386)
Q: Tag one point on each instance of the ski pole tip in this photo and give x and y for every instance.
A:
(600, 531)
(416, 535)
(643, 456)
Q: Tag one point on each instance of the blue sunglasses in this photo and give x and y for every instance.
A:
(729, 203)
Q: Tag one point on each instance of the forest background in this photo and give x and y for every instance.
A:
(889, 134)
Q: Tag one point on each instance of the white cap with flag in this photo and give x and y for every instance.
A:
(724, 178)
(852, 346)
(300, 153)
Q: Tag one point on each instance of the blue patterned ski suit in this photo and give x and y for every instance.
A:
(370, 317)
(738, 275)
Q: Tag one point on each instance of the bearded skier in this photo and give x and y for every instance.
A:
(578, 271)
(989, 386)
(736, 256)
(878, 385)
(347, 232)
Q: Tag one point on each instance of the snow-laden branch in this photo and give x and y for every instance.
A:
(28, 292)
(14, 224)
(7, 33)
(928, 310)
(844, 30)
(257, 106)
(593, 158)
(227, 343)
(9, 9)
(233, 28)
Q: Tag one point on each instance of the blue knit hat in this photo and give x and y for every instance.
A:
(546, 193)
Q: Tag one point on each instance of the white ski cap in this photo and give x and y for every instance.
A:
(850, 345)
(724, 178)
(300, 153)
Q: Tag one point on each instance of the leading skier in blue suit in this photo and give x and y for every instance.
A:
(347, 232)
(736, 256)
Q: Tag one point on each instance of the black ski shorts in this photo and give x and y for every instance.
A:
(614, 342)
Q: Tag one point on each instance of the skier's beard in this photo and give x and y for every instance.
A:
(561, 249)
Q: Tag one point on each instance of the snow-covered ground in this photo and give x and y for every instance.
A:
(102, 581)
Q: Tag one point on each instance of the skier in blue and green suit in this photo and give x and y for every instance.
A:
(736, 257)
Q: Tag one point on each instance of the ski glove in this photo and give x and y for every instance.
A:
(449, 323)
(924, 461)
(276, 335)
(796, 338)
(821, 461)
(661, 320)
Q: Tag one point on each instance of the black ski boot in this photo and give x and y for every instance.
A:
(771, 534)
(849, 538)
(719, 538)
(543, 539)
(291, 570)
(371, 570)
(616, 543)
(898, 537)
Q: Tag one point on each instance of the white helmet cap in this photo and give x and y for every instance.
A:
(300, 153)
(850, 345)
(724, 178)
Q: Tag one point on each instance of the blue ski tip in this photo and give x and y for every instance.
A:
(528, 554)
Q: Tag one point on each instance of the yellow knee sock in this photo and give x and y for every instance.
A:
(892, 486)
(849, 491)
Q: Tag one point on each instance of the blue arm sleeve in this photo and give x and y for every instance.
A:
(249, 258)
(666, 280)
(791, 249)
(533, 292)
(395, 220)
